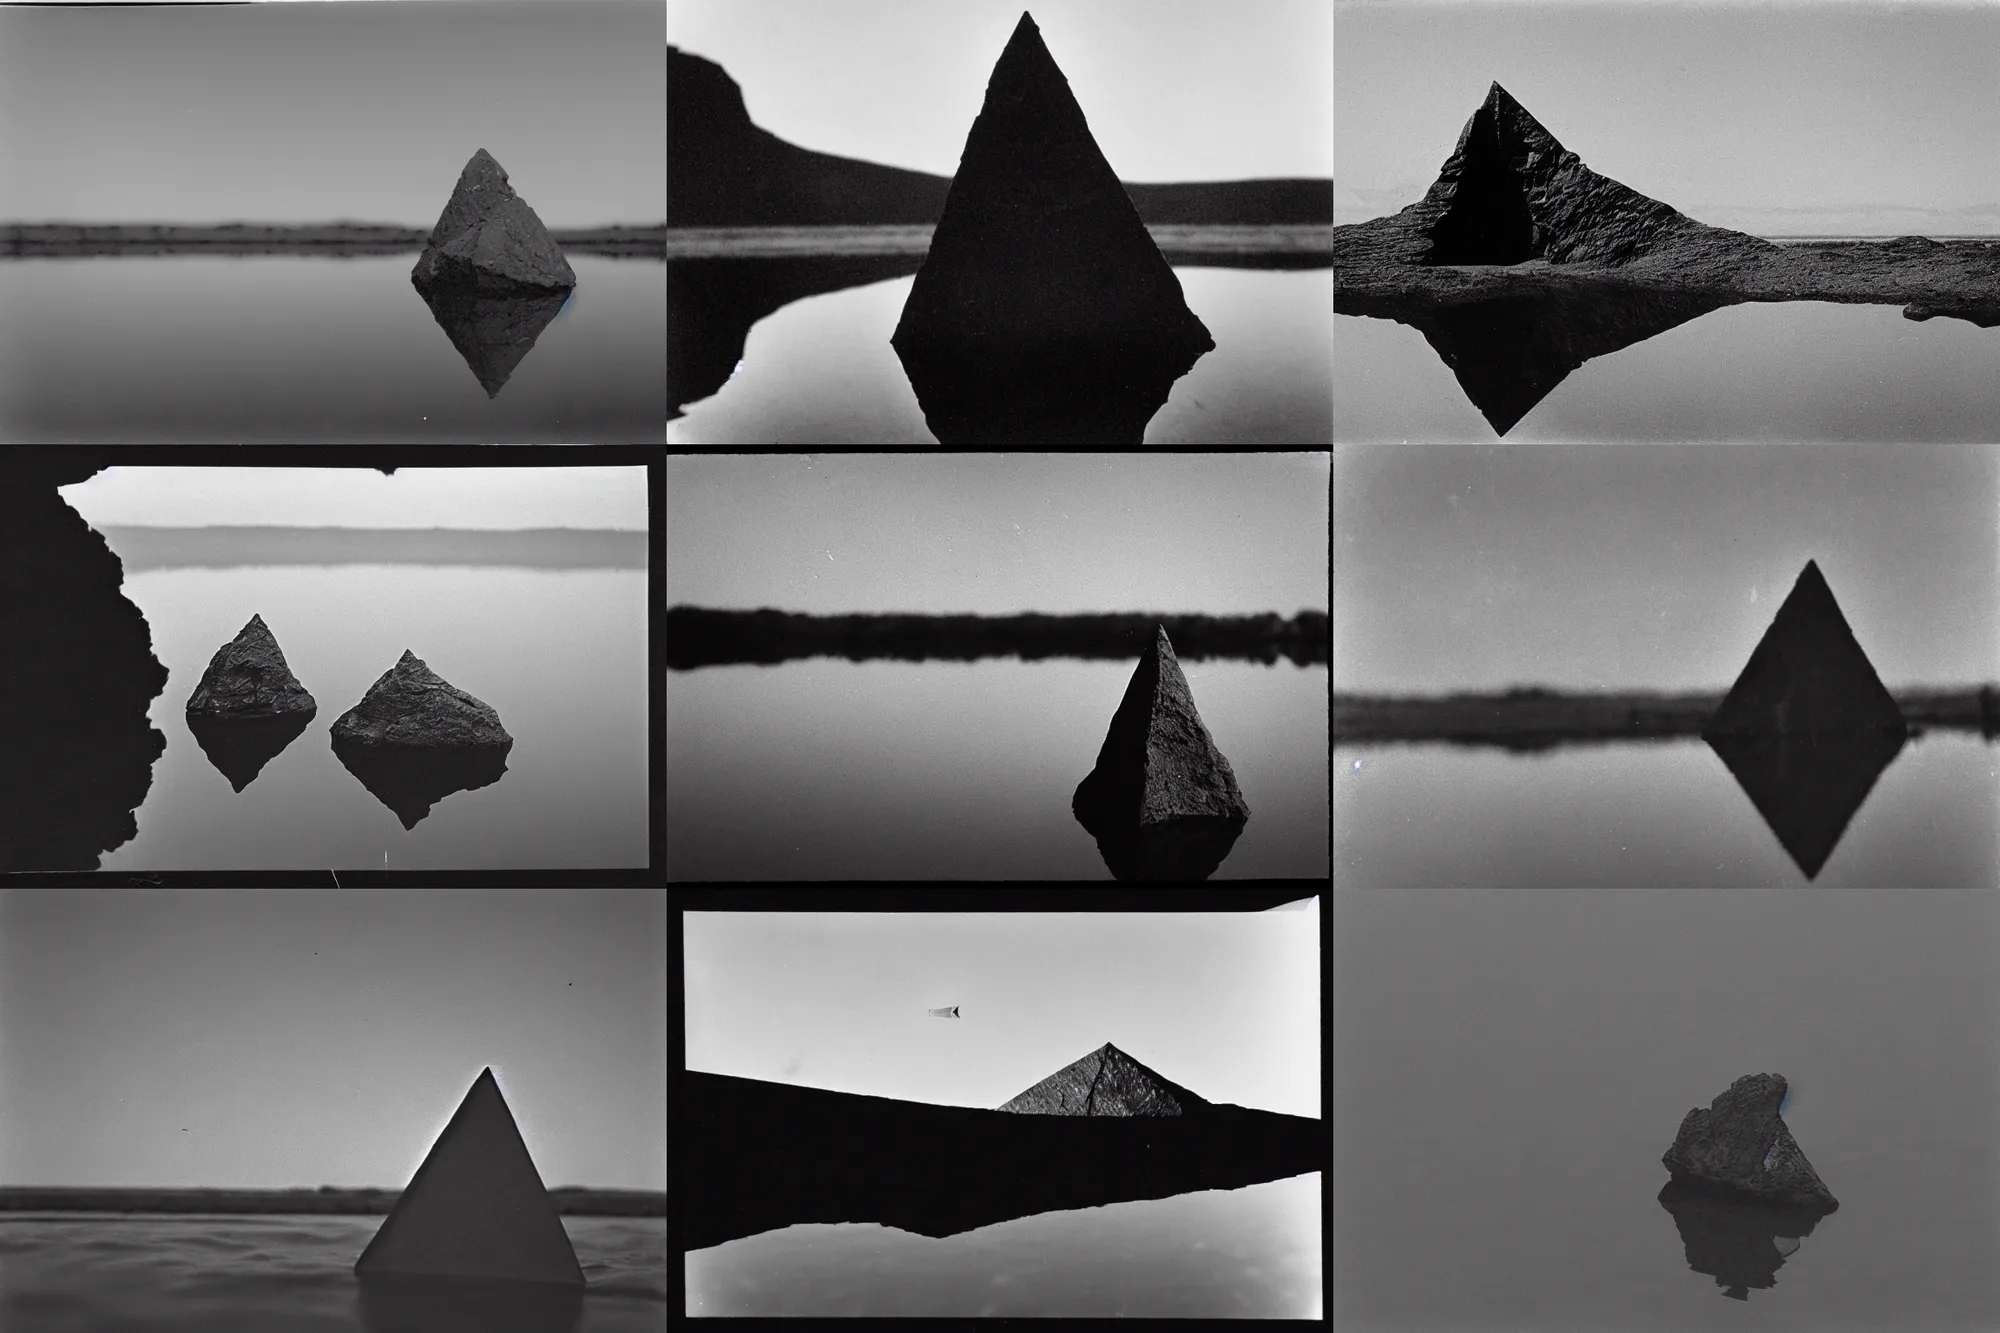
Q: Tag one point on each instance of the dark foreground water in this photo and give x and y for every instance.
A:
(276, 349)
(828, 769)
(560, 654)
(204, 1274)
(1250, 1253)
(820, 370)
(1508, 1069)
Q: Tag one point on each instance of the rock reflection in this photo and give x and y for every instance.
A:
(239, 747)
(400, 1304)
(493, 330)
(1179, 849)
(1807, 787)
(411, 779)
(1074, 391)
(1739, 1242)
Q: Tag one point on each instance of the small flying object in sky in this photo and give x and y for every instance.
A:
(945, 1013)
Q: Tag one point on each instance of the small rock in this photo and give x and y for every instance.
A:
(1739, 1143)
(411, 706)
(248, 677)
(488, 238)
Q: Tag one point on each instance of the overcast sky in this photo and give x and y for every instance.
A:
(301, 1038)
(997, 534)
(1776, 118)
(1225, 1004)
(327, 112)
(1173, 89)
(1655, 566)
(355, 497)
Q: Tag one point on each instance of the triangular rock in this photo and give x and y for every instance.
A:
(1106, 1082)
(477, 1207)
(239, 747)
(493, 333)
(488, 238)
(1808, 787)
(1807, 675)
(248, 677)
(1158, 761)
(1741, 1144)
(409, 705)
(1043, 311)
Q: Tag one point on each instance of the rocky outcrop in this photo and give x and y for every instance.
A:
(488, 238)
(248, 677)
(1807, 675)
(1105, 1082)
(1741, 1145)
(409, 706)
(1158, 762)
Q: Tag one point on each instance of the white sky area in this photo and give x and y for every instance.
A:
(1821, 118)
(1225, 1004)
(1174, 90)
(354, 497)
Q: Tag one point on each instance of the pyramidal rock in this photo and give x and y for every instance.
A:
(1158, 762)
(476, 1208)
(409, 705)
(248, 677)
(1807, 675)
(1105, 1082)
(488, 238)
(1740, 1143)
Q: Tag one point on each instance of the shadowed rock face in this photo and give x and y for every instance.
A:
(410, 779)
(488, 238)
(1739, 1144)
(1741, 1243)
(248, 677)
(1043, 312)
(409, 705)
(1105, 1082)
(1808, 787)
(1807, 675)
(1174, 849)
(239, 747)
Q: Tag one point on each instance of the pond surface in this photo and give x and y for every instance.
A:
(1509, 1069)
(825, 769)
(1250, 1253)
(1660, 814)
(559, 654)
(820, 369)
(277, 349)
(1801, 370)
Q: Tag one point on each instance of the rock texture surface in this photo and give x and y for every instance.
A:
(1105, 1082)
(1158, 761)
(1740, 1143)
(488, 238)
(410, 706)
(1807, 675)
(493, 333)
(248, 677)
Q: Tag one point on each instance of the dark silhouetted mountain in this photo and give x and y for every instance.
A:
(239, 747)
(77, 675)
(1807, 786)
(1808, 675)
(1740, 1144)
(493, 331)
(1740, 1242)
(1105, 1082)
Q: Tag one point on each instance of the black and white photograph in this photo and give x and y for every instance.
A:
(1666, 666)
(996, 222)
(419, 221)
(344, 667)
(1012, 1113)
(351, 1111)
(1591, 221)
(996, 666)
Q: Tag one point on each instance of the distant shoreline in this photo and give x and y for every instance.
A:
(81, 240)
(147, 548)
(570, 1202)
(1288, 246)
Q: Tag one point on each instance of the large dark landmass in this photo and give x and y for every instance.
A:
(752, 1156)
(234, 547)
(569, 1201)
(335, 239)
(699, 636)
(1539, 719)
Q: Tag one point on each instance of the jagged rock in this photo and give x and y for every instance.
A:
(1043, 312)
(1741, 1144)
(248, 677)
(488, 238)
(1807, 675)
(410, 706)
(1158, 761)
(1105, 1082)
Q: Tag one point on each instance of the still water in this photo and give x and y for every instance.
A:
(825, 769)
(1801, 370)
(820, 370)
(277, 349)
(1508, 1069)
(71, 1273)
(1250, 1253)
(560, 654)
(1661, 814)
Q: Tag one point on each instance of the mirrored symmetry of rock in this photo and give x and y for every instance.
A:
(415, 739)
(1740, 1242)
(1740, 1145)
(249, 677)
(1043, 313)
(493, 332)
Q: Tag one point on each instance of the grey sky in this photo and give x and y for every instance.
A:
(1225, 1004)
(298, 1038)
(996, 534)
(501, 497)
(1173, 89)
(327, 112)
(1643, 566)
(1802, 118)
